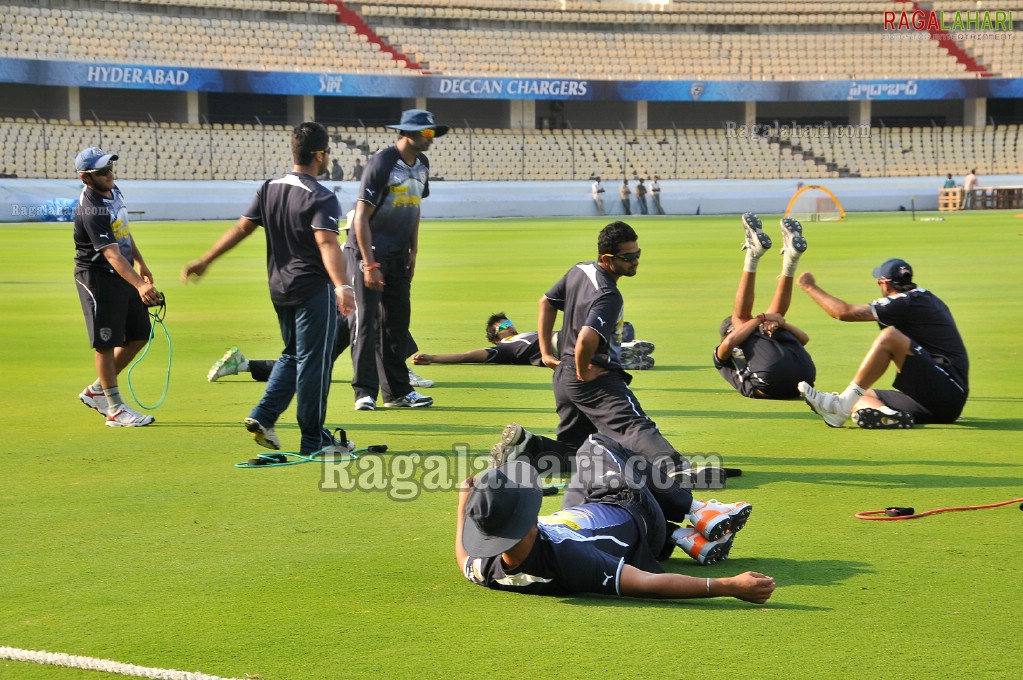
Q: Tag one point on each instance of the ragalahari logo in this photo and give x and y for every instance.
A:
(949, 21)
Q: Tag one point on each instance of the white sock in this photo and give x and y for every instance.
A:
(850, 396)
(96, 386)
(789, 264)
(114, 401)
(695, 507)
(750, 265)
(243, 366)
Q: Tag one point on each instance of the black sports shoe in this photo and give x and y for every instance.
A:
(512, 446)
(876, 419)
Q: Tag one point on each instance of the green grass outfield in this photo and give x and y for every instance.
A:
(147, 546)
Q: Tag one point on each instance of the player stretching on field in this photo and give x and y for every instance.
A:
(512, 347)
(762, 356)
(614, 528)
(918, 335)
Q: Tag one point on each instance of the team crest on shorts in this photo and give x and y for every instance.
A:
(105, 334)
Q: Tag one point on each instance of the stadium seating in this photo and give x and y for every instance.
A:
(529, 38)
(540, 38)
(44, 148)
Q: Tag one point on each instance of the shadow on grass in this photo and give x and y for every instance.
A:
(717, 603)
(877, 481)
(786, 572)
(989, 423)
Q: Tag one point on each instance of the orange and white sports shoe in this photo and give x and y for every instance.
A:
(699, 548)
(715, 519)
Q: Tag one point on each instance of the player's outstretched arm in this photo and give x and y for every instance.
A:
(232, 237)
(476, 356)
(836, 308)
(749, 586)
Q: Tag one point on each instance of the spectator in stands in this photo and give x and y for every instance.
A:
(641, 197)
(337, 173)
(596, 191)
(969, 184)
(625, 194)
(308, 287)
(357, 170)
(114, 284)
(949, 182)
(512, 347)
(918, 335)
(655, 195)
(762, 356)
(383, 244)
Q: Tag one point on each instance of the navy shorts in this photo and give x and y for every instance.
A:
(114, 312)
(925, 389)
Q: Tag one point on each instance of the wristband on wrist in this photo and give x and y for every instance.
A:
(374, 265)
(761, 318)
(347, 287)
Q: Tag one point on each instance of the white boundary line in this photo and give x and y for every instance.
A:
(89, 663)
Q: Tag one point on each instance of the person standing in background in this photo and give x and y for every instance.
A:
(641, 197)
(625, 194)
(596, 192)
(969, 184)
(655, 195)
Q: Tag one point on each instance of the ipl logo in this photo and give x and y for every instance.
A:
(330, 83)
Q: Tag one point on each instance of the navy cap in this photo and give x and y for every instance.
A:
(93, 158)
(501, 508)
(894, 270)
(726, 326)
(414, 120)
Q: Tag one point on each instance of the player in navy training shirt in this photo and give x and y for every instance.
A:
(382, 245)
(591, 389)
(113, 294)
(918, 335)
(608, 538)
(308, 287)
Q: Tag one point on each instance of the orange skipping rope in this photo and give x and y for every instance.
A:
(895, 513)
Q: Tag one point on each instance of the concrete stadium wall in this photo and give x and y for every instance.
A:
(24, 200)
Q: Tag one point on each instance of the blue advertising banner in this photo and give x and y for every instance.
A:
(149, 77)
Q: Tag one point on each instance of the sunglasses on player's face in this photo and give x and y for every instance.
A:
(627, 257)
(428, 133)
(103, 172)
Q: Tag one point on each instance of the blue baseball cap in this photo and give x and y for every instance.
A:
(93, 158)
(414, 120)
(894, 270)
